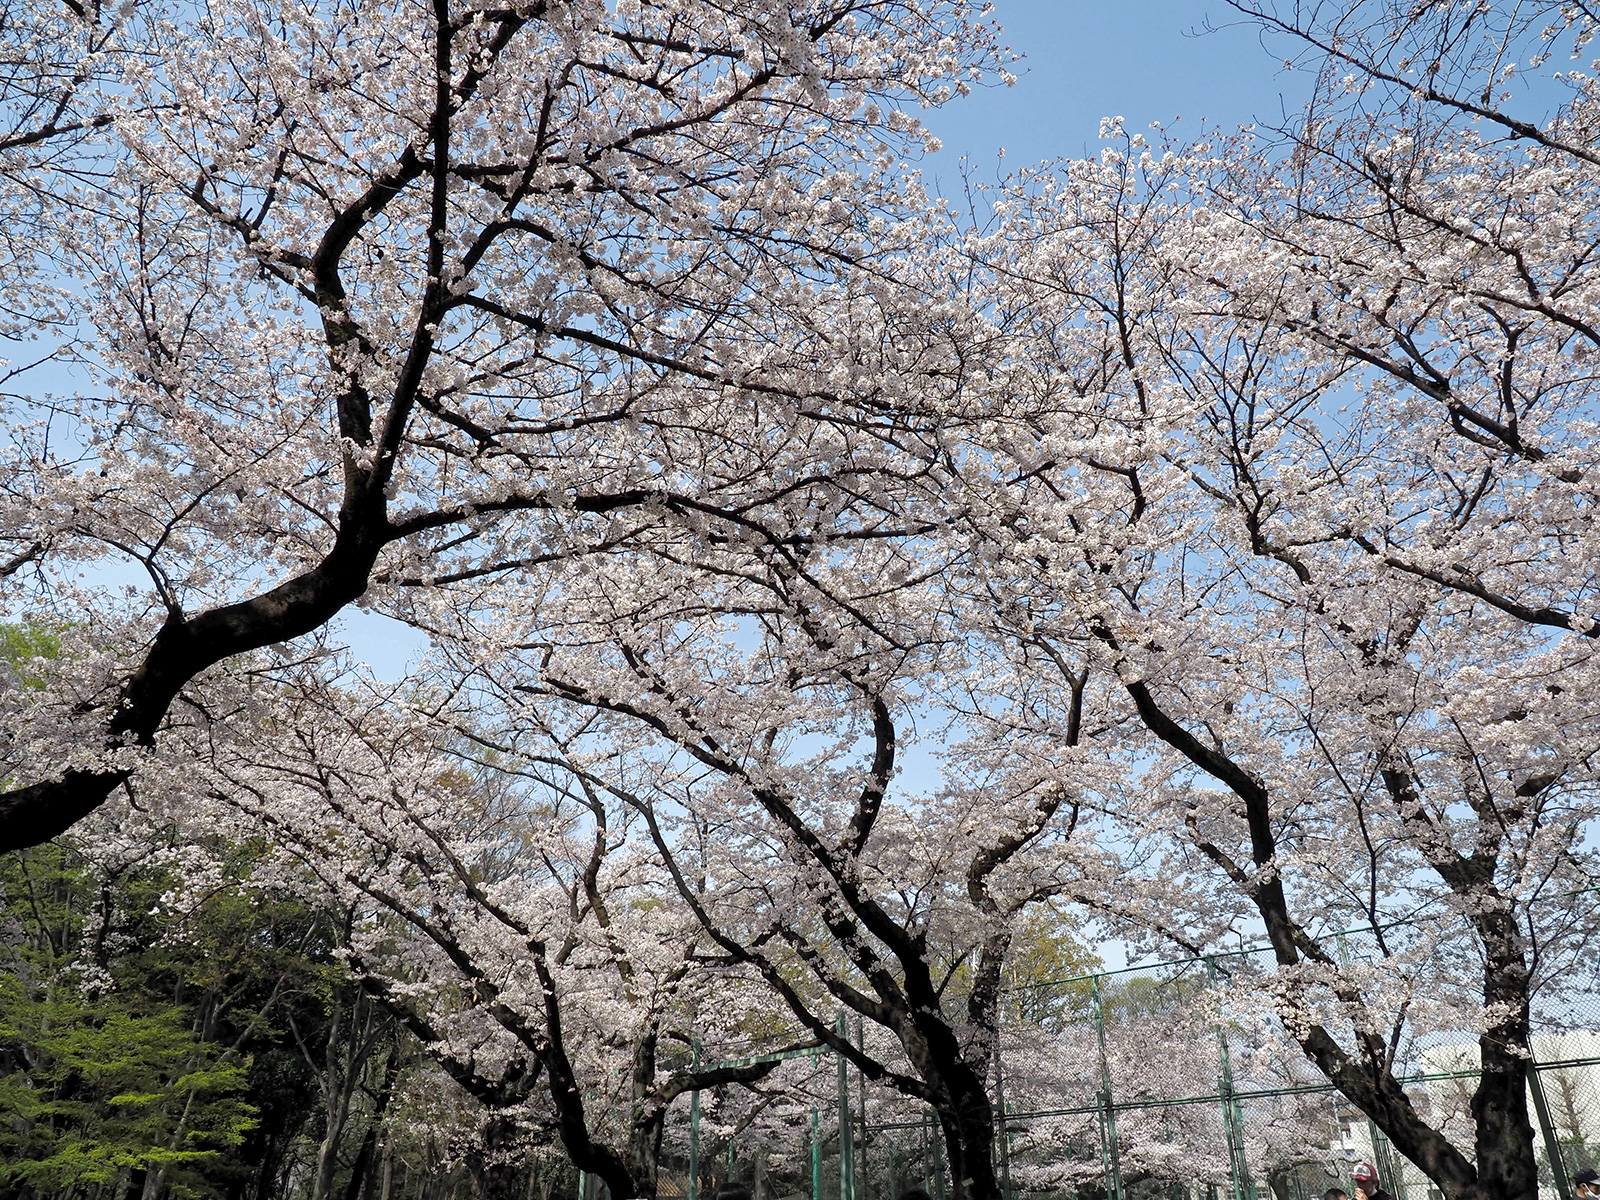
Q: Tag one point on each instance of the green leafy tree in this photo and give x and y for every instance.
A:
(102, 1080)
(136, 1011)
(1048, 968)
(21, 643)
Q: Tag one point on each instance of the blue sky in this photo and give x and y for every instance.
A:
(1143, 60)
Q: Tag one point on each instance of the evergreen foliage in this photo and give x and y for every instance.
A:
(103, 1073)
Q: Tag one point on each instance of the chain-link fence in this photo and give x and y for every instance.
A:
(1187, 1085)
(1176, 1082)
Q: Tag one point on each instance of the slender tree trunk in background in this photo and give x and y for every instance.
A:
(344, 1064)
(761, 1181)
(155, 1184)
(338, 1117)
(1566, 1089)
(360, 1171)
(386, 1187)
(361, 1168)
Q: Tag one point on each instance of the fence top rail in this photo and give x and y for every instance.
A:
(1241, 1094)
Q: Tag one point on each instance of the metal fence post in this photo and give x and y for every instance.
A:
(1388, 1163)
(816, 1156)
(847, 1166)
(692, 1192)
(1552, 1144)
(859, 1171)
(1005, 1133)
(1232, 1113)
(1111, 1156)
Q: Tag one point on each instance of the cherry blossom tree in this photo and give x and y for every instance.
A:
(368, 289)
(1299, 459)
(751, 705)
(1493, 65)
(1227, 511)
(505, 914)
(54, 103)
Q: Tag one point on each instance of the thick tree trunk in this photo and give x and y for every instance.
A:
(1507, 1167)
(644, 1151)
(494, 1176)
(969, 1144)
(566, 1096)
(648, 1116)
(960, 1090)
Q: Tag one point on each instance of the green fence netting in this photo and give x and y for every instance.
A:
(1173, 1081)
